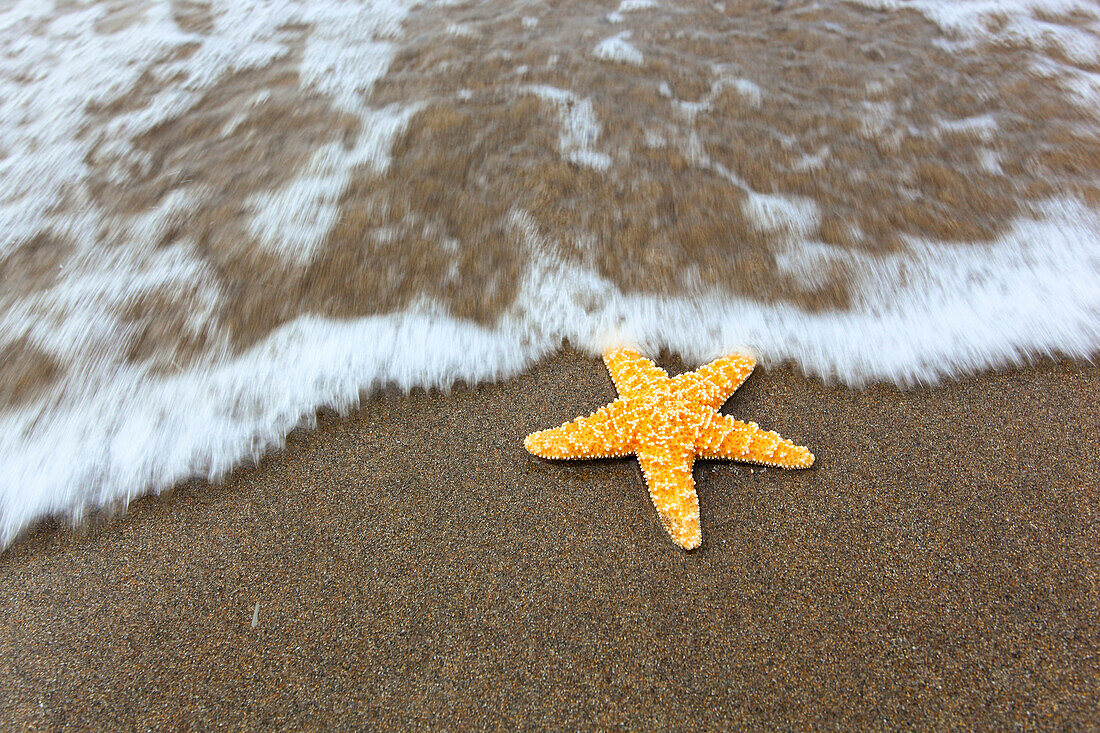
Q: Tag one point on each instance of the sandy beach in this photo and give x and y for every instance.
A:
(219, 217)
(415, 568)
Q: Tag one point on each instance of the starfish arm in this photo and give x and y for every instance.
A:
(725, 437)
(603, 434)
(668, 474)
(713, 383)
(631, 372)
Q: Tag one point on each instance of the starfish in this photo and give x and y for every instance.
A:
(667, 423)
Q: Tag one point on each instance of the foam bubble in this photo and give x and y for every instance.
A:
(750, 90)
(292, 221)
(627, 6)
(797, 216)
(618, 48)
(983, 127)
(579, 127)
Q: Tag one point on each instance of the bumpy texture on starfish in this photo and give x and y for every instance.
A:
(667, 423)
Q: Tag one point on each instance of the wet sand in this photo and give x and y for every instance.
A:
(414, 567)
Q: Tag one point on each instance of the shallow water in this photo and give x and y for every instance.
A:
(217, 217)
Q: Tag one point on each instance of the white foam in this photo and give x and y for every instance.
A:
(349, 47)
(628, 6)
(813, 161)
(929, 314)
(1033, 291)
(794, 215)
(877, 117)
(50, 72)
(293, 221)
(1012, 20)
(380, 127)
(579, 127)
(618, 49)
(462, 30)
(79, 320)
(748, 89)
(1019, 22)
(991, 161)
(1081, 87)
(55, 70)
(140, 433)
(983, 126)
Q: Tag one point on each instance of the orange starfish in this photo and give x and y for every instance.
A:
(667, 423)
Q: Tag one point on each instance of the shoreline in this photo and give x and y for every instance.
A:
(415, 566)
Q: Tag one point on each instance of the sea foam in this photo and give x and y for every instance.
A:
(1032, 293)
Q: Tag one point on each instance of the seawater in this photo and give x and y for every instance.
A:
(218, 217)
